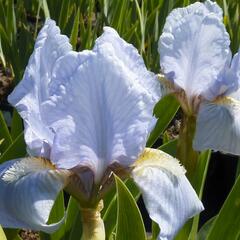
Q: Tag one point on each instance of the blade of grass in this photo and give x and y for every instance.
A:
(16, 125)
(198, 184)
(165, 110)
(16, 150)
(4, 135)
(45, 8)
(73, 229)
(227, 223)
(62, 21)
(128, 215)
(2, 234)
(74, 33)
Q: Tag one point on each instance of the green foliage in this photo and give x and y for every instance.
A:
(198, 183)
(2, 234)
(16, 150)
(202, 234)
(129, 220)
(57, 213)
(5, 136)
(110, 211)
(72, 228)
(227, 223)
(15, 36)
(16, 125)
(155, 231)
(190, 229)
(11, 233)
(164, 110)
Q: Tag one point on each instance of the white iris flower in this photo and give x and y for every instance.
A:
(196, 59)
(88, 114)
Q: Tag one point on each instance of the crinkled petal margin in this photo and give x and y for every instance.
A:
(106, 97)
(33, 89)
(194, 48)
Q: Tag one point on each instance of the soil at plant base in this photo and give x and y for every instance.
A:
(5, 82)
(29, 235)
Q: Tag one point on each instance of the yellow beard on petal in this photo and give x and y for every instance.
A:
(25, 166)
(157, 158)
(227, 101)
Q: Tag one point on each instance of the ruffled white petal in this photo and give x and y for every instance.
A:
(213, 7)
(194, 48)
(32, 91)
(169, 197)
(28, 189)
(130, 57)
(218, 126)
(107, 105)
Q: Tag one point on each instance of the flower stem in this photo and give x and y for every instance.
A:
(185, 152)
(93, 226)
(189, 158)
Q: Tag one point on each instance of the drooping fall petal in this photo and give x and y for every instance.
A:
(218, 126)
(168, 196)
(218, 122)
(29, 187)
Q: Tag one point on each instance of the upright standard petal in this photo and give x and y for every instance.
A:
(28, 189)
(228, 82)
(130, 57)
(108, 105)
(213, 7)
(168, 196)
(32, 91)
(235, 68)
(218, 126)
(194, 48)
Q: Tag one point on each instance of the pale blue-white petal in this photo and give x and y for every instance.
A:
(168, 195)
(218, 126)
(106, 105)
(32, 91)
(130, 57)
(28, 189)
(206, 8)
(231, 78)
(194, 48)
(213, 7)
(235, 65)
(228, 82)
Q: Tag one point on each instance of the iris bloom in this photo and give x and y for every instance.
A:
(88, 114)
(197, 62)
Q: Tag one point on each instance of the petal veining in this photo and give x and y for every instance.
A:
(28, 189)
(107, 102)
(32, 91)
(130, 57)
(194, 48)
(169, 197)
(218, 126)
